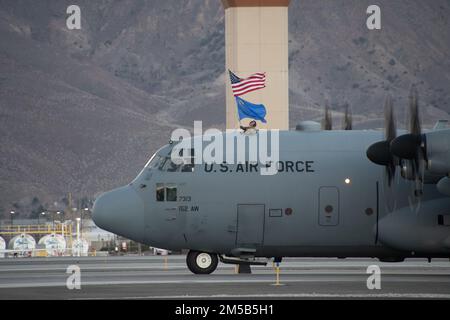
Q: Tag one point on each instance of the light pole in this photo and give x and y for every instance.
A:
(53, 217)
(59, 215)
(43, 214)
(74, 212)
(12, 217)
(85, 210)
(78, 237)
(78, 229)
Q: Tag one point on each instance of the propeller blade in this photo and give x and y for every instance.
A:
(380, 152)
(348, 119)
(414, 114)
(327, 123)
(390, 173)
(390, 134)
(412, 147)
(389, 118)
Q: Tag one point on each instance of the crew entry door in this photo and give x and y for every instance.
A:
(250, 226)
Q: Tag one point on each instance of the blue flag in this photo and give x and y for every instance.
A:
(248, 110)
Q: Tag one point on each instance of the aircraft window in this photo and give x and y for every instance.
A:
(160, 190)
(169, 166)
(171, 192)
(191, 152)
(162, 163)
(189, 166)
(154, 162)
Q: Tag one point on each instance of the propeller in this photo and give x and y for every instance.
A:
(348, 119)
(327, 122)
(412, 147)
(380, 152)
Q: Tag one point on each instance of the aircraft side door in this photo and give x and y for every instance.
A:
(250, 228)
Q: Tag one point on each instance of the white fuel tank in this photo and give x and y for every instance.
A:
(80, 248)
(24, 244)
(55, 244)
(2, 247)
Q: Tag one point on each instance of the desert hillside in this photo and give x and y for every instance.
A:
(82, 111)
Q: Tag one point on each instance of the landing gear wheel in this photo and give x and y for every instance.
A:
(202, 262)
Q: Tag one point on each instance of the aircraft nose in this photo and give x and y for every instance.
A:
(121, 212)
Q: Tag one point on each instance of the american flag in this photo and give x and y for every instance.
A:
(240, 86)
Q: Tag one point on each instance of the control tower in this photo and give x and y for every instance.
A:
(257, 40)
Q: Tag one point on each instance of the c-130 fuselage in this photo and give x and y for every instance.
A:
(326, 200)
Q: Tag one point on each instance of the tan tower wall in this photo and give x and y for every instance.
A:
(257, 40)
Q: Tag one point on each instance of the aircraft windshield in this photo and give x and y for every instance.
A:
(166, 164)
(154, 162)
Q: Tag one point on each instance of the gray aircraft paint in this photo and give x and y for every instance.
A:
(369, 219)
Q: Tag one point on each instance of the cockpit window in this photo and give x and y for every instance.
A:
(166, 192)
(188, 168)
(154, 162)
(162, 163)
(160, 192)
(169, 166)
(189, 163)
(171, 192)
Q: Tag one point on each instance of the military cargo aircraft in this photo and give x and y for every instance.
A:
(341, 194)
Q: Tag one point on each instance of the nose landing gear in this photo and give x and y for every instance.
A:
(202, 262)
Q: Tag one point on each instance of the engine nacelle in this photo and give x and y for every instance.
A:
(408, 173)
(438, 151)
(416, 232)
(444, 186)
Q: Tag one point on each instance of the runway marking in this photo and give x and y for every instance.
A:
(119, 283)
(125, 268)
(284, 296)
(208, 281)
(286, 269)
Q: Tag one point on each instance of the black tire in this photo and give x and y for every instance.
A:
(194, 261)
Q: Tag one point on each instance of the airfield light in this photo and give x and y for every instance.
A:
(12, 217)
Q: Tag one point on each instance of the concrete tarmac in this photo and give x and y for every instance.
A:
(150, 278)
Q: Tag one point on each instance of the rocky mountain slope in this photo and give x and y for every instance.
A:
(81, 111)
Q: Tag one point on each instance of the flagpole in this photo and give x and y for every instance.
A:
(237, 113)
